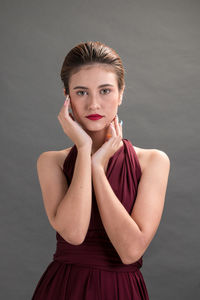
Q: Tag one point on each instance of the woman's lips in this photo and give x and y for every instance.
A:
(94, 117)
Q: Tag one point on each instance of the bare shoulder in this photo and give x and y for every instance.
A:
(58, 156)
(145, 156)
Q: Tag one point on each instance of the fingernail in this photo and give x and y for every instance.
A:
(121, 122)
(65, 103)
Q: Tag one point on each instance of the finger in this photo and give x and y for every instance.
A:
(66, 100)
(120, 126)
(108, 135)
(66, 107)
(113, 131)
(116, 121)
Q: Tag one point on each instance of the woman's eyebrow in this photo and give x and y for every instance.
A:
(83, 87)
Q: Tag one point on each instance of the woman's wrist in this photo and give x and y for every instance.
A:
(85, 149)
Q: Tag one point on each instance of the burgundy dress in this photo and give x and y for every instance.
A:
(94, 270)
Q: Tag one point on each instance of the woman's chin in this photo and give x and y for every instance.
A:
(95, 129)
(94, 126)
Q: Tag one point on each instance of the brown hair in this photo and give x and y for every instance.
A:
(89, 53)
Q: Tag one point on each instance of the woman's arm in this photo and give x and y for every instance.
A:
(131, 234)
(68, 209)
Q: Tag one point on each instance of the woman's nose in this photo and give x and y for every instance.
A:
(93, 102)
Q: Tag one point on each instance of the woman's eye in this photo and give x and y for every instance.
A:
(80, 92)
(107, 90)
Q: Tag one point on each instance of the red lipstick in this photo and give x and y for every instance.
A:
(94, 117)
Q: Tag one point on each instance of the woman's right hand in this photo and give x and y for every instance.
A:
(72, 129)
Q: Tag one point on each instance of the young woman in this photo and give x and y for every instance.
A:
(103, 196)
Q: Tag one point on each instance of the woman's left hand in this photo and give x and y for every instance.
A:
(101, 157)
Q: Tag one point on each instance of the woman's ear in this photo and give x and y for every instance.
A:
(121, 97)
(64, 90)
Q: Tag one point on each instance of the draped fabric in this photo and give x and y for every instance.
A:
(93, 270)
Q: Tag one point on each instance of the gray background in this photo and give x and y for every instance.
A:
(158, 42)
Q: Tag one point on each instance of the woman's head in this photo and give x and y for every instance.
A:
(85, 69)
(90, 53)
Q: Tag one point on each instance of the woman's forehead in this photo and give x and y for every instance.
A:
(87, 71)
(95, 67)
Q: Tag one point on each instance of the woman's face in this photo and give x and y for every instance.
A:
(94, 90)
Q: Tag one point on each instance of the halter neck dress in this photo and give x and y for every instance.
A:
(93, 270)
